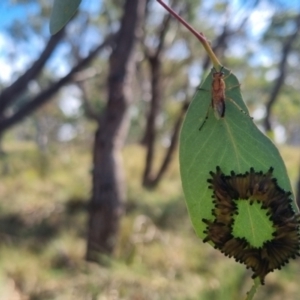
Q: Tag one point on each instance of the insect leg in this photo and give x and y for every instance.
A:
(206, 117)
(239, 108)
(231, 87)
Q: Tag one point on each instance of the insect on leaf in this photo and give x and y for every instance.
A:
(230, 169)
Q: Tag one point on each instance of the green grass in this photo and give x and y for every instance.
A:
(43, 221)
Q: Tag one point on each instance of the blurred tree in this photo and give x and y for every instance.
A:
(108, 193)
(9, 96)
(169, 64)
(280, 23)
(19, 100)
(156, 56)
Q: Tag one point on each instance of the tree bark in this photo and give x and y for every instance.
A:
(286, 49)
(154, 180)
(154, 57)
(150, 134)
(108, 192)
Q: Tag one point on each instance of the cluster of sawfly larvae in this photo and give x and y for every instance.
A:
(253, 186)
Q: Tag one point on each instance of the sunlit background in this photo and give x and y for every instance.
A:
(46, 147)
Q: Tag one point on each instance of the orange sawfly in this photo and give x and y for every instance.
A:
(218, 80)
(218, 95)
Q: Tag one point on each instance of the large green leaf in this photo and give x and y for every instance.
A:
(233, 143)
(62, 12)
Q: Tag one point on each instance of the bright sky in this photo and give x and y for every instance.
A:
(12, 11)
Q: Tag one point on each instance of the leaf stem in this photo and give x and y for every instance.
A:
(198, 35)
(251, 293)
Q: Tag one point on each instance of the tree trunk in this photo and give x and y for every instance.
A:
(154, 57)
(286, 49)
(155, 104)
(108, 193)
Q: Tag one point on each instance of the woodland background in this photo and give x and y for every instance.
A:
(91, 200)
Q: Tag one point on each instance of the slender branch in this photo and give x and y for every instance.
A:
(171, 149)
(10, 93)
(198, 35)
(220, 42)
(156, 98)
(154, 59)
(162, 34)
(253, 290)
(32, 104)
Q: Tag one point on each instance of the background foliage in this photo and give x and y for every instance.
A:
(46, 158)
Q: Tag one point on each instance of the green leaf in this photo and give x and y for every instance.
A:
(252, 223)
(234, 143)
(62, 12)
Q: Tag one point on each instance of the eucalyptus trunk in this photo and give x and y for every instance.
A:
(108, 193)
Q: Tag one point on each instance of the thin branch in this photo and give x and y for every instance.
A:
(33, 104)
(10, 93)
(198, 35)
(171, 149)
(162, 34)
(154, 60)
(220, 42)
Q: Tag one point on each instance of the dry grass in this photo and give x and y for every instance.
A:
(43, 225)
